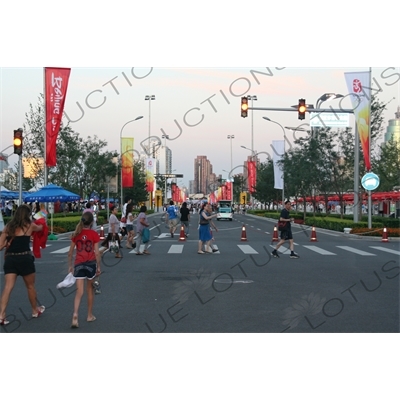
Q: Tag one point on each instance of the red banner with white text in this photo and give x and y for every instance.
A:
(251, 175)
(127, 162)
(55, 86)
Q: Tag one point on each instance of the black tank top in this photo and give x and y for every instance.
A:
(19, 244)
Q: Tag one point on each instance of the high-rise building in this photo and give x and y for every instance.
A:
(164, 160)
(393, 129)
(202, 174)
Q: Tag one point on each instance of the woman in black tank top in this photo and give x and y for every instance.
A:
(18, 260)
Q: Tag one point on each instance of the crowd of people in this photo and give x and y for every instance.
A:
(86, 248)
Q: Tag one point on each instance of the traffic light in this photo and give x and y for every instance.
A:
(18, 141)
(302, 108)
(245, 107)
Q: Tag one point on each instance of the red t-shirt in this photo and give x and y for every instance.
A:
(84, 244)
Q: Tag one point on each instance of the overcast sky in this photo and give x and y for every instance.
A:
(197, 107)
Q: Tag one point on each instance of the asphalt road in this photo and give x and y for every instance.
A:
(339, 284)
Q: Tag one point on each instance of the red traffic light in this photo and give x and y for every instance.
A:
(244, 107)
(302, 109)
(18, 141)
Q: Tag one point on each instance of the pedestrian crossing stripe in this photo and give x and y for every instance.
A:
(356, 251)
(320, 251)
(386, 250)
(247, 249)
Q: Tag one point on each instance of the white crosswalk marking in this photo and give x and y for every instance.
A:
(247, 249)
(320, 251)
(176, 249)
(356, 251)
(61, 251)
(386, 250)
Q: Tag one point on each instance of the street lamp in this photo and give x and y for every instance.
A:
(120, 142)
(230, 137)
(165, 137)
(252, 98)
(149, 98)
(283, 175)
(328, 97)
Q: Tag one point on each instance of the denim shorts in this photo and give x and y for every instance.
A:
(85, 270)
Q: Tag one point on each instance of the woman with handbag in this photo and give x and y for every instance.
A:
(143, 232)
(205, 235)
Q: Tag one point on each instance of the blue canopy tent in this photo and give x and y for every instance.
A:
(50, 194)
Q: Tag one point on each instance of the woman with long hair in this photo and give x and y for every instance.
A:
(86, 265)
(19, 260)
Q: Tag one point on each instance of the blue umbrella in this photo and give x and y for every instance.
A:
(50, 194)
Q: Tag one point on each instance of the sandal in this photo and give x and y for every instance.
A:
(139, 254)
(40, 311)
(91, 319)
(4, 321)
(74, 324)
(200, 252)
(146, 252)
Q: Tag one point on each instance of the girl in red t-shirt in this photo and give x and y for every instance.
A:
(86, 265)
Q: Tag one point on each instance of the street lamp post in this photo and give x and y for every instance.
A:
(165, 137)
(252, 98)
(283, 175)
(230, 137)
(149, 98)
(120, 142)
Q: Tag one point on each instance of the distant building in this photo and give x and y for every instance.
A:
(393, 129)
(203, 174)
(3, 162)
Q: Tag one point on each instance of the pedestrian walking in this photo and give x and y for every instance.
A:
(19, 260)
(130, 243)
(205, 236)
(86, 265)
(172, 218)
(113, 236)
(185, 217)
(142, 224)
(286, 231)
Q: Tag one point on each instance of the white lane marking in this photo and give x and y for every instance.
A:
(176, 249)
(247, 249)
(320, 251)
(61, 251)
(356, 251)
(386, 250)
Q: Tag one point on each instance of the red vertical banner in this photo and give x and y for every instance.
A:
(173, 191)
(127, 162)
(252, 175)
(55, 87)
(223, 192)
(228, 186)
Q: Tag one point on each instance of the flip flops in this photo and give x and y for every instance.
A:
(40, 311)
(4, 321)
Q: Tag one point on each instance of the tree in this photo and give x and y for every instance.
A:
(388, 165)
(264, 189)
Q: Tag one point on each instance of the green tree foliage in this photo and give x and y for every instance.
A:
(388, 165)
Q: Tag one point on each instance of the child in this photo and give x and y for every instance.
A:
(86, 265)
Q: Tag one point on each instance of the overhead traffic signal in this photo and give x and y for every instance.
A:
(302, 108)
(18, 141)
(245, 107)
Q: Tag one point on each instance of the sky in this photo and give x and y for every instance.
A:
(196, 107)
(196, 47)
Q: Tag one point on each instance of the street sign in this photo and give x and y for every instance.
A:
(370, 181)
(332, 120)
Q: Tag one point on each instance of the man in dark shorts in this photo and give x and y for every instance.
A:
(286, 233)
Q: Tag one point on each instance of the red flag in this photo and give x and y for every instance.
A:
(228, 190)
(252, 172)
(56, 84)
